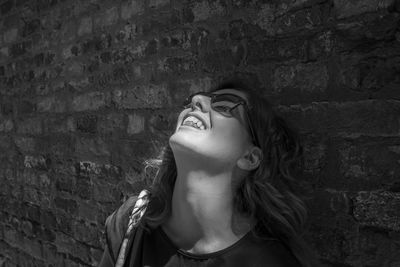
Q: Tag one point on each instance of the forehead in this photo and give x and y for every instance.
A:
(232, 91)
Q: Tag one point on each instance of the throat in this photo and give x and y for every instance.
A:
(204, 223)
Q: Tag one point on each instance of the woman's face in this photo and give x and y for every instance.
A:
(222, 139)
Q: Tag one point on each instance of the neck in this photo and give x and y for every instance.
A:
(203, 218)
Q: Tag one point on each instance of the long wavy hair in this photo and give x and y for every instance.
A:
(268, 194)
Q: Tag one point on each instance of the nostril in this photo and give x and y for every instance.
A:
(197, 104)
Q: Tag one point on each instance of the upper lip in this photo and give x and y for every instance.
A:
(197, 116)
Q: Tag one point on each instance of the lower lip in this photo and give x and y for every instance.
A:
(190, 127)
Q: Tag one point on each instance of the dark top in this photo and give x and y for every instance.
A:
(153, 248)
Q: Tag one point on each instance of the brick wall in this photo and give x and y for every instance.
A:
(89, 90)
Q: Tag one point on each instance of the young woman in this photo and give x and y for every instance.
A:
(224, 193)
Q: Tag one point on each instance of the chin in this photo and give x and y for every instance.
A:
(184, 142)
(188, 147)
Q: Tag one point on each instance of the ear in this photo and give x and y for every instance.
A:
(251, 159)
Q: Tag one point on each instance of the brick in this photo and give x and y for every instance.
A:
(87, 124)
(68, 205)
(87, 234)
(311, 77)
(135, 124)
(131, 8)
(158, 3)
(89, 101)
(371, 162)
(108, 18)
(309, 18)
(48, 218)
(160, 122)
(126, 55)
(352, 118)
(117, 77)
(351, 164)
(374, 27)
(315, 155)
(84, 189)
(213, 61)
(152, 47)
(18, 49)
(10, 36)
(340, 241)
(42, 233)
(85, 26)
(68, 31)
(58, 124)
(377, 74)
(27, 228)
(37, 162)
(346, 9)
(152, 96)
(279, 49)
(378, 208)
(96, 256)
(275, 21)
(87, 211)
(78, 83)
(6, 125)
(74, 68)
(51, 255)
(25, 145)
(104, 193)
(105, 57)
(30, 211)
(51, 104)
(97, 43)
(265, 19)
(31, 247)
(239, 29)
(205, 9)
(89, 147)
(67, 52)
(86, 168)
(30, 27)
(129, 32)
(67, 245)
(4, 52)
(6, 6)
(66, 183)
(30, 126)
(32, 196)
(112, 123)
(139, 50)
(44, 181)
(322, 45)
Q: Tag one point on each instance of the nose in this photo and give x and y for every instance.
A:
(201, 102)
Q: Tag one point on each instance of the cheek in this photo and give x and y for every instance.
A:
(230, 132)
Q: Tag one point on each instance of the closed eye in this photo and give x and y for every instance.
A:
(221, 108)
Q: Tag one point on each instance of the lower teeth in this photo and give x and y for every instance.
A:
(194, 125)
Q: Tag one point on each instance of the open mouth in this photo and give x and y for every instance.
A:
(194, 122)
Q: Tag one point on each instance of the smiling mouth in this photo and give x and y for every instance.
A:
(194, 122)
(192, 125)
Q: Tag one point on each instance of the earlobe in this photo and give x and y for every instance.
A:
(251, 160)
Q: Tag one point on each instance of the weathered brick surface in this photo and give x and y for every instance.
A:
(90, 90)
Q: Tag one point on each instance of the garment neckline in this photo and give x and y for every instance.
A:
(204, 255)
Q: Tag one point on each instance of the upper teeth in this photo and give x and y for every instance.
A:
(194, 121)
